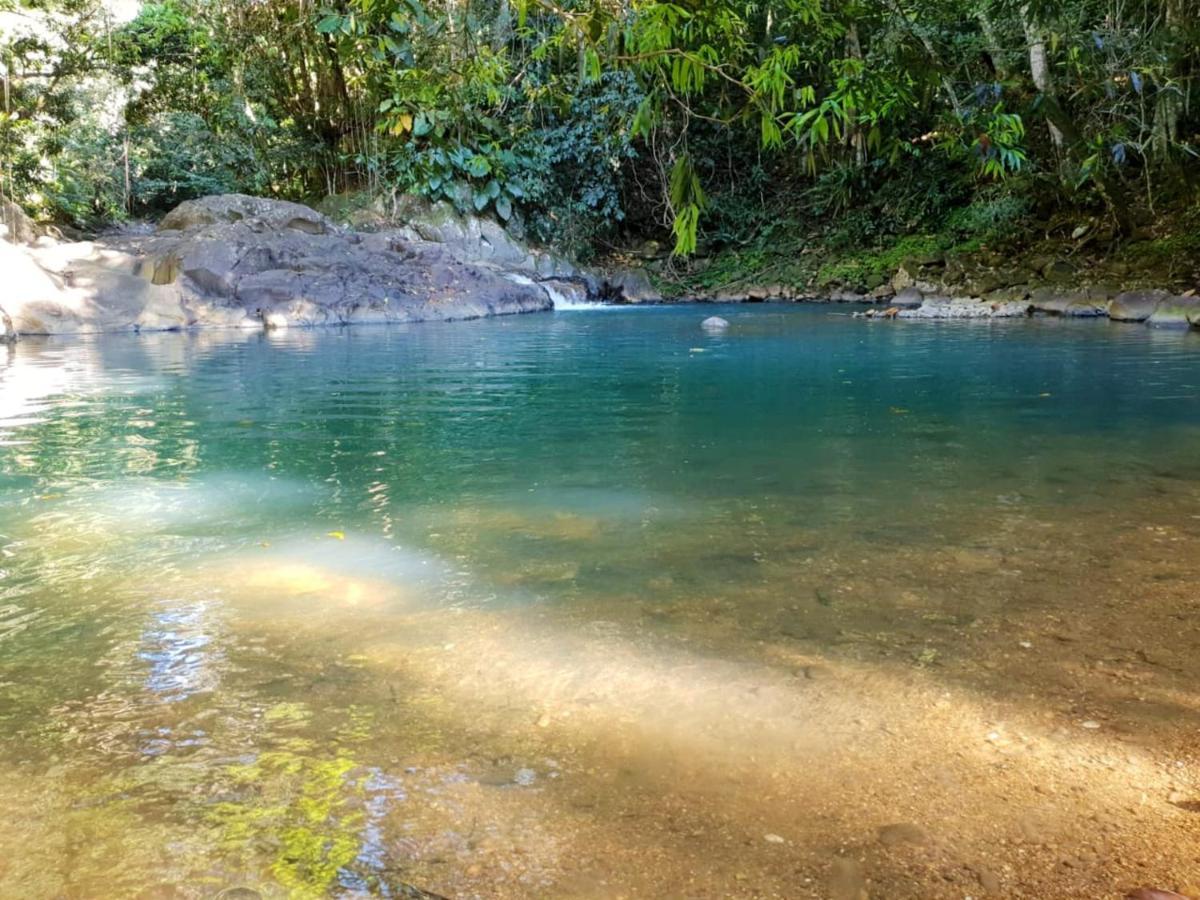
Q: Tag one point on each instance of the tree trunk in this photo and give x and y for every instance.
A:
(855, 138)
(502, 28)
(995, 47)
(1039, 65)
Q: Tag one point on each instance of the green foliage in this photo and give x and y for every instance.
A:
(574, 163)
(176, 157)
(871, 268)
(596, 122)
(989, 217)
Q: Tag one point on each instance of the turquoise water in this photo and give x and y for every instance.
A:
(214, 544)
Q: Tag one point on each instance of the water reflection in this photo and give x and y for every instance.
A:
(178, 647)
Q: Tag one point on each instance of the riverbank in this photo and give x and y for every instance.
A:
(234, 261)
(1065, 267)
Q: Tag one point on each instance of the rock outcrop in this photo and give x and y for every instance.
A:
(245, 262)
(480, 239)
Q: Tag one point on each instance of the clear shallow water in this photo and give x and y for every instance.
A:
(336, 612)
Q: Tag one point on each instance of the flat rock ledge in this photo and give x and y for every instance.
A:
(234, 261)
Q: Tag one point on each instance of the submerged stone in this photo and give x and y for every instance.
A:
(715, 323)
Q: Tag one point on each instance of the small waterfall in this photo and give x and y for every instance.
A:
(561, 301)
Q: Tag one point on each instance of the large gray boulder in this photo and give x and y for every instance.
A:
(1136, 306)
(236, 261)
(228, 209)
(630, 286)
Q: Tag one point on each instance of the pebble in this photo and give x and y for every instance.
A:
(1091, 724)
(773, 839)
(525, 777)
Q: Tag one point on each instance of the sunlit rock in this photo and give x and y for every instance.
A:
(237, 261)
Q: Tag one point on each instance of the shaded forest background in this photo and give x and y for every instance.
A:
(737, 134)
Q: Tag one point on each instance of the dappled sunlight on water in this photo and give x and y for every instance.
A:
(558, 607)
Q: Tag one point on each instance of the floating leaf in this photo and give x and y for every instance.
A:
(338, 535)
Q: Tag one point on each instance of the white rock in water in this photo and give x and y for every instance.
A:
(714, 323)
(274, 321)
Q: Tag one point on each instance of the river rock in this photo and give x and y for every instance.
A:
(1175, 312)
(1069, 302)
(629, 286)
(909, 298)
(715, 323)
(1136, 306)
